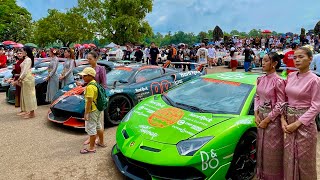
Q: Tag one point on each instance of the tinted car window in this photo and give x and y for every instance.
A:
(119, 74)
(210, 95)
(147, 74)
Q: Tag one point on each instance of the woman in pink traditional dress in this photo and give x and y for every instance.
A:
(269, 101)
(303, 97)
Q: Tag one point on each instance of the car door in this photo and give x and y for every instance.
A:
(149, 82)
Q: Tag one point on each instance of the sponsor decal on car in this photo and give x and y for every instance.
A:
(209, 160)
(142, 89)
(165, 117)
(189, 73)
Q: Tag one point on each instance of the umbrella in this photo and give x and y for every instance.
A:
(266, 32)
(8, 42)
(77, 45)
(18, 45)
(31, 45)
(111, 45)
(92, 45)
(87, 46)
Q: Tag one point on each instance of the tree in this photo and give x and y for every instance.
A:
(217, 33)
(67, 28)
(120, 21)
(303, 32)
(14, 21)
(243, 34)
(234, 32)
(201, 36)
(254, 33)
(317, 28)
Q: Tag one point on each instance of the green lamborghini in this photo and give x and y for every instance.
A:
(203, 129)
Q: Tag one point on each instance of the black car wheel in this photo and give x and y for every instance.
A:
(243, 166)
(118, 107)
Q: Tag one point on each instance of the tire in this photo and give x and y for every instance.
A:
(113, 114)
(243, 165)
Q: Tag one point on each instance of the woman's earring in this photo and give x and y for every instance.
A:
(273, 67)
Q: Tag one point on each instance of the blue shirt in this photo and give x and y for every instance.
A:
(315, 62)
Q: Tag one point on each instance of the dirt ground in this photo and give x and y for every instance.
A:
(39, 149)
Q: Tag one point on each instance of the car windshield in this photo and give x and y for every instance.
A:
(119, 74)
(210, 95)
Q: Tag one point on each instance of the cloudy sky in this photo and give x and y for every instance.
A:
(202, 15)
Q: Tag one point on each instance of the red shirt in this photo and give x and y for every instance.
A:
(3, 61)
(288, 60)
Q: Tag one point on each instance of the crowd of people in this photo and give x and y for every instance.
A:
(24, 82)
(285, 110)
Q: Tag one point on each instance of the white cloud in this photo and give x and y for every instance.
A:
(202, 15)
(243, 15)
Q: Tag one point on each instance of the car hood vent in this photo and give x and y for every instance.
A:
(125, 134)
(150, 149)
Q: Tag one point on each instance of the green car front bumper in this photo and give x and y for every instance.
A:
(139, 170)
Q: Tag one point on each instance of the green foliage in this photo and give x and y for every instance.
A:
(254, 33)
(201, 36)
(15, 21)
(119, 21)
(67, 28)
(303, 32)
(317, 28)
(234, 32)
(217, 33)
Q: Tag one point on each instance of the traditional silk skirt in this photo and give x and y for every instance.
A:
(270, 148)
(300, 149)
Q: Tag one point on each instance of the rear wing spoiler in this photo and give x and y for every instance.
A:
(199, 67)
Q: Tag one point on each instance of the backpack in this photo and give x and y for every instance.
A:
(102, 99)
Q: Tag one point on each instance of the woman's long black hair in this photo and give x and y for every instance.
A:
(28, 50)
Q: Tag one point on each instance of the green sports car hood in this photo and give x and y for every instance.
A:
(153, 118)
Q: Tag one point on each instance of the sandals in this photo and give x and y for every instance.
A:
(22, 113)
(88, 142)
(101, 145)
(87, 151)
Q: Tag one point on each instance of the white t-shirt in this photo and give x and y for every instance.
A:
(202, 53)
(211, 52)
(234, 57)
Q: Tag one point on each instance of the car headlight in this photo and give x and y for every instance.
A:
(128, 116)
(191, 146)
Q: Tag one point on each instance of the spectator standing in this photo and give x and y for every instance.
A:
(92, 115)
(248, 53)
(3, 58)
(202, 54)
(28, 102)
(119, 53)
(66, 76)
(315, 64)
(127, 53)
(268, 107)
(53, 78)
(186, 57)
(288, 59)
(138, 54)
(234, 60)
(154, 54)
(211, 56)
(146, 55)
(300, 142)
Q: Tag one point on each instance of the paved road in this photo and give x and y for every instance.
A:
(39, 149)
